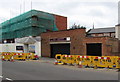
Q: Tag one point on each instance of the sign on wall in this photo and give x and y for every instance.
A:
(19, 48)
(60, 39)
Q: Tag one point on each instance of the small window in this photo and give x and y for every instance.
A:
(100, 34)
(112, 34)
(93, 35)
(106, 34)
(19, 47)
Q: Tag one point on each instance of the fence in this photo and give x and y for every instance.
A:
(17, 56)
(90, 61)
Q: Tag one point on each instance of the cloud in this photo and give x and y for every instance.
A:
(84, 12)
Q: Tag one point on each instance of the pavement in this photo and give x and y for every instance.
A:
(44, 69)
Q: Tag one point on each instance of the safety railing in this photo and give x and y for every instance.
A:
(89, 61)
(17, 56)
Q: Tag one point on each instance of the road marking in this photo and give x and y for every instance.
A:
(1, 76)
(6, 78)
(9, 79)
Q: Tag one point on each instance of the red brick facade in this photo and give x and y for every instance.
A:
(79, 41)
(61, 22)
(111, 34)
(110, 46)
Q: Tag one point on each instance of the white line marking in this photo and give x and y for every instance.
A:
(1, 76)
(9, 79)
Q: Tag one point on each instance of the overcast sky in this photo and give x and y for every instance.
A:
(84, 12)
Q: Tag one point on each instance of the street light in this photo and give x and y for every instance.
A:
(5, 41)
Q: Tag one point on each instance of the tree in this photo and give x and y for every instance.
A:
(74, 26)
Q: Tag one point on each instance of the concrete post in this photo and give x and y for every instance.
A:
(117, 31)
(26, 48)
(38, 48)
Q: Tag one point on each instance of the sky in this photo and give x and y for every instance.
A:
(101, 13)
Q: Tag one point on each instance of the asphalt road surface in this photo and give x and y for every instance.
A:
(39, 70)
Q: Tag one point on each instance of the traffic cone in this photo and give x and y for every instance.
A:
(12, 59)
(80, 65)
(56, 62)
(3, 59)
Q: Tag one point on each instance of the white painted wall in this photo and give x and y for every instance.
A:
(117, 32)
(26, 48)
(38, 48)
(11, 47)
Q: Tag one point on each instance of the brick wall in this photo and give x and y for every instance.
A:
(101, 40)
(74, 34)
(78, 42)
(61, 22)
(113, 47)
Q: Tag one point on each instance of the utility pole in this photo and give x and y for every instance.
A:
(93, 26)
(24, 6)
(20, 8)
(31, 5)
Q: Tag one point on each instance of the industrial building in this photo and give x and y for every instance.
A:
(99, 32)
(117, 31)
(46, 35)
(26, 28)
(109, 31)
(77, 42)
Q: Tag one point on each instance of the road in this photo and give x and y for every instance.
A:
(40, 70)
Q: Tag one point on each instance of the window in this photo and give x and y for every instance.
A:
(100, 34)
(19, 47)
(106, 34)
(112, 34)
(93, 34)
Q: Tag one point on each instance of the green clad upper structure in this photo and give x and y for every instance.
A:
(31, 23)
